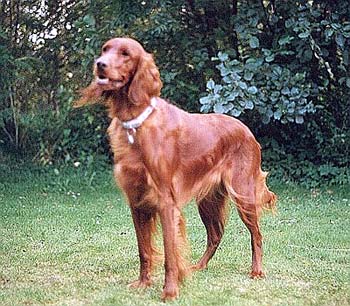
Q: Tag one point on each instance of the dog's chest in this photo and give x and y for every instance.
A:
(118, 139)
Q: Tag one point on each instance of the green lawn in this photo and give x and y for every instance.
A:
(66, 238)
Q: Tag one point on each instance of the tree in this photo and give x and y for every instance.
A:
(280, 66)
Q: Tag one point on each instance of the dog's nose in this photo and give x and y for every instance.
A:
(101, 65)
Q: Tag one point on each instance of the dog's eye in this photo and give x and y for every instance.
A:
(125, 53)
(105, 49)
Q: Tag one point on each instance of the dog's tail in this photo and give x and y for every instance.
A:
(265, 198)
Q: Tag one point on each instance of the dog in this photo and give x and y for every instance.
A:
(164, 157)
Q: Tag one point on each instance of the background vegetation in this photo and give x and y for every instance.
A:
(280, 66)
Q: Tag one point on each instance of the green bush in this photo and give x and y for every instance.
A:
(290, 82)
(273, 90)
(281, 67)
(75, 135)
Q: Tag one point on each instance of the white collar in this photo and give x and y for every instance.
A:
(137, 122)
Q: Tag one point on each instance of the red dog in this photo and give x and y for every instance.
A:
(165, 156)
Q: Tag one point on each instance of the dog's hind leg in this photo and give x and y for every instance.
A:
(213, 212)
(248, 210)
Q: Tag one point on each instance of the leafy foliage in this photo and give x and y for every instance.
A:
(74, 136)
(292, 67)
(281, 67)
(284, 66)
(272, 90)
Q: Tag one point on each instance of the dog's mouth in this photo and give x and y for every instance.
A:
(104, 81)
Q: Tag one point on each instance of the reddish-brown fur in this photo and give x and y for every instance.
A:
(176, 157)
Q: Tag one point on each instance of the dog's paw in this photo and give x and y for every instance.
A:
(170, 293)
(257, 274)
(140, 284)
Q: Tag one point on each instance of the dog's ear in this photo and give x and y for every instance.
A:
(89, 95)
(146, 82)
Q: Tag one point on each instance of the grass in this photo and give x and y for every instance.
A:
(66, 238)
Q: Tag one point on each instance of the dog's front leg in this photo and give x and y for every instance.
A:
(144, 222)
(171, 221)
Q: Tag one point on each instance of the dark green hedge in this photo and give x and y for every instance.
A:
(280, 66)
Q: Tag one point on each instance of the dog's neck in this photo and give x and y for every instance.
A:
(130, 115)
(140, 119)
(122, 108)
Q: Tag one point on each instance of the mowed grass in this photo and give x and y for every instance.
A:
(66, 238)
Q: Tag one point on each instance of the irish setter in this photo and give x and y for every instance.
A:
(164, 157)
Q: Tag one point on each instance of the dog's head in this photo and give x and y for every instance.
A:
(123, 67)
